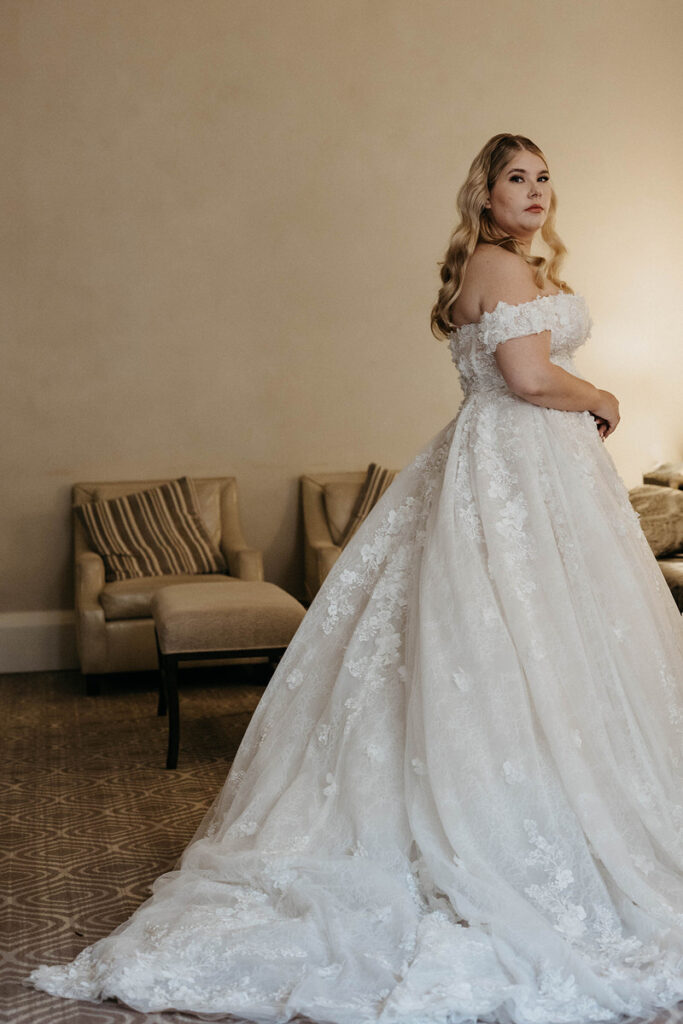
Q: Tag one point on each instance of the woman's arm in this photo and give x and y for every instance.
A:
(527, 370)
(525, 362)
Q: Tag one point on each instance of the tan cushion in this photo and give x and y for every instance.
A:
(340, 499)
(673, 574)
(661, 517)
(132, 599)
(153, 532)
(238, 616)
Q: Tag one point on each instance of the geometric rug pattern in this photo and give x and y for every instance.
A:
(89, 815)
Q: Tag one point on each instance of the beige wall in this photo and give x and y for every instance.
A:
(222, 221)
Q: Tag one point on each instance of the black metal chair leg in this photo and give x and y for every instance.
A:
(169, 668)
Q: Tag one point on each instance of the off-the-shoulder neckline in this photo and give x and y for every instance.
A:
(512, 305)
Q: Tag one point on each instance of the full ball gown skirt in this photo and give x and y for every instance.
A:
(460, 795)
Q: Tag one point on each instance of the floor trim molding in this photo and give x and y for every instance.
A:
(37, 641)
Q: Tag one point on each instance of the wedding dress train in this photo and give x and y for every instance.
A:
(460, 795)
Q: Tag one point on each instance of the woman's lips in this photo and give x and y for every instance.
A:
(534, 209)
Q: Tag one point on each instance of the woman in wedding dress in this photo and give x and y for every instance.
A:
(459, 798)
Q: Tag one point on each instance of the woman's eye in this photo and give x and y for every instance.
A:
(541, 177)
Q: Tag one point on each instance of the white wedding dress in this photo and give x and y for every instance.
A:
(460, 795)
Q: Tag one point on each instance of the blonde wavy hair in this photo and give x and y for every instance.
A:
(477, 225)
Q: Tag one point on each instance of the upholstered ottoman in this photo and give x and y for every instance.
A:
(198, 621)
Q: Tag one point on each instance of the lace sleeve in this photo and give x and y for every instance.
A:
(508, 321)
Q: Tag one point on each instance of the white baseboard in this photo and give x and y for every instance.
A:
(37, 641)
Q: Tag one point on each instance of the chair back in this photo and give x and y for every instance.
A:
(332, 496)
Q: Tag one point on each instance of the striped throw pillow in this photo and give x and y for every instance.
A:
(157, 532)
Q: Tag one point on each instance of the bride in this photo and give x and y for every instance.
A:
(459, 798)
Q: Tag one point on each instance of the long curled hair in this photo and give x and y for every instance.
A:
(477, 225)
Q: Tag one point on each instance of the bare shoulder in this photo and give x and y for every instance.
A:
(496, 269)
(492, 274)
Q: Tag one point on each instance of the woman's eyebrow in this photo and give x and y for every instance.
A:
(523, 171)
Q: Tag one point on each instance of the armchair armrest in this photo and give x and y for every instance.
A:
(90, 626)
(89, 581)
(245, 563)
(320, 552)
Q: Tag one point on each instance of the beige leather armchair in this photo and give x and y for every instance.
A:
(114, 625)
(328, 499)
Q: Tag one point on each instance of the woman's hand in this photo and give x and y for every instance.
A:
(601, 424)
(605, 412)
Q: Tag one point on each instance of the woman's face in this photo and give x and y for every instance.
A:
(520, 197)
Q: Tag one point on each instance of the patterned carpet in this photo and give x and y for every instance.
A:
(89, 816)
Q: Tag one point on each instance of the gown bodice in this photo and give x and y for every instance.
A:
(473, 345)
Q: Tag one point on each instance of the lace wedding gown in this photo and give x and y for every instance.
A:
(460, 795)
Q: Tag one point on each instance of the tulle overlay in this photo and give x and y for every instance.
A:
(460, 796)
